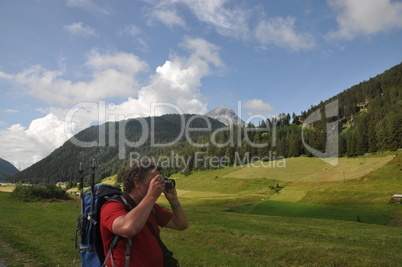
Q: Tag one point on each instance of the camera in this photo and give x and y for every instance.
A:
(169, 184)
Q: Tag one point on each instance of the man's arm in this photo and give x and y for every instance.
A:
(130, 224)
(179, 220)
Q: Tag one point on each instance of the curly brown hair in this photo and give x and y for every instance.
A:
(138, 170)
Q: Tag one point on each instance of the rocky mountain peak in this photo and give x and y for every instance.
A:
(225, 115)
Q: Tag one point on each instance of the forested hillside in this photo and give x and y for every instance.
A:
(63, 163)
(6, 169)
(369, 119)
(370, 114)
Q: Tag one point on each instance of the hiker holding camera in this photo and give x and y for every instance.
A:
(138, 222)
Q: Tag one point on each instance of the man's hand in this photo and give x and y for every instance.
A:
(156, 187)
(179, 219)
(171, 195)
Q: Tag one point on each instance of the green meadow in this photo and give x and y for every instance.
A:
(306, 213)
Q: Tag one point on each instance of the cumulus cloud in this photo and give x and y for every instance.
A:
(113, 75)
(257, 105)
(257, 110)
(365, 17)
(173, 88)
(282, 33)
(80, 29)
(23, 147)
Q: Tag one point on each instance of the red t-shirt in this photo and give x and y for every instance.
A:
(145, 250)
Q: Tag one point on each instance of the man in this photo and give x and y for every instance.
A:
(144, 184)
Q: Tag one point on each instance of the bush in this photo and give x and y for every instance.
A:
(38, 192)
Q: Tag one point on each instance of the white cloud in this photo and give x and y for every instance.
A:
(257, 110)
(141, 44)
(113, 75)
(365, 17)
(5, 76)
(232, 20)
(176, 83)
(130, 30)
(227, 21)
(23, 147)
(80, 29)
(173, 88)
(134, 32)
(282, 33)
(121, 62)
(257, 105)
(203, 52)
(167, 16)
(9, 110)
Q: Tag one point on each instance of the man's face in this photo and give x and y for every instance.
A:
(143, 186)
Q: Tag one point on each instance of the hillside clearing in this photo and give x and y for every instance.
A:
(312, 169)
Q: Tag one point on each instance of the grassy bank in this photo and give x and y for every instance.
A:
(240, 220)
(42, 234)
(229, 239)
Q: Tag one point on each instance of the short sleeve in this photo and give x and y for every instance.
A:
(162, 215)
(110, 211)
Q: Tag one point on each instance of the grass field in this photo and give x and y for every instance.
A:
(237, 219)
(313, 169)
(37, 234)
(8, 188)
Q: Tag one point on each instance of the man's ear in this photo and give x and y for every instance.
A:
(136, 183)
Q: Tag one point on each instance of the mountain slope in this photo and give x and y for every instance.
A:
(142, 136)
(370, 114)
(6, 169)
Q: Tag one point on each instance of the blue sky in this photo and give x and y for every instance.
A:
(63, 63)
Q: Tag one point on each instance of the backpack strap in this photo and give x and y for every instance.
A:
(132, 204)
(117, 238)
(111, 247)
(165, 251)
(129, 201)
